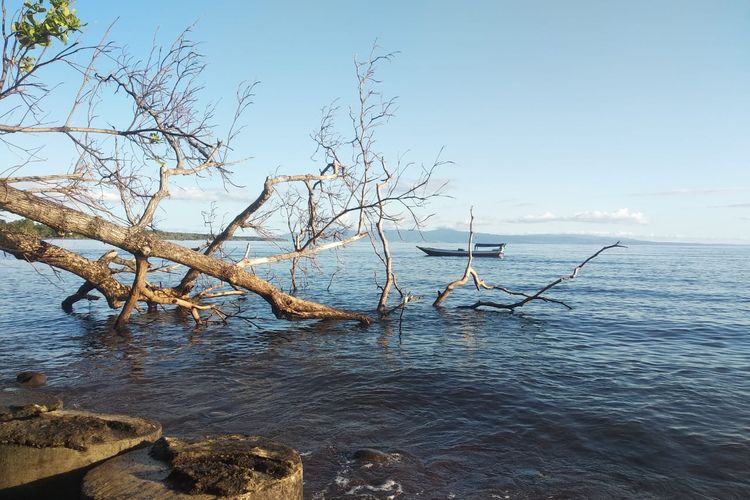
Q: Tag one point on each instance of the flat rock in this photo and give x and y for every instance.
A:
(58, 442)
(233, 466)
(24, 404)
(72, 430)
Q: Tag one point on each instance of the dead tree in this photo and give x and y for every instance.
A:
(480, 284)
(122, 168)
(387, 194)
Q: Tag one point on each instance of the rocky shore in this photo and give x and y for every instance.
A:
(49, 452)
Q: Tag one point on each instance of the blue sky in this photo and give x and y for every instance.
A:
(617, 118)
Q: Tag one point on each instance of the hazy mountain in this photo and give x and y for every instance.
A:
(454, 236)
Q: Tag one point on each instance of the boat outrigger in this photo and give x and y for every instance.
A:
(494, 250)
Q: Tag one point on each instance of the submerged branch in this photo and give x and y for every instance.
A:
(538, 295)
(468, 272)
(479, 283)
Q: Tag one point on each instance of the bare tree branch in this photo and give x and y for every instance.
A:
(479, 283)
(123, 167)
(538, 294)
(468, 271)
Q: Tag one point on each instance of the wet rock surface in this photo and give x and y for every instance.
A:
(73, 431)
(43, 447)
(225, 466)
(371, 455)
(24, 404)
(235, 466)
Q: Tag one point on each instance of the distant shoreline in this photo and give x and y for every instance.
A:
(180, 236)
(443, 235)
(27, 226)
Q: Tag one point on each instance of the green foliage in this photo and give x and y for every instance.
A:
(59, 20)
(27, 64)
(28, 226)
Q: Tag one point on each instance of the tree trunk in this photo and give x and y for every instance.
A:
(139, 242)
(96, 273)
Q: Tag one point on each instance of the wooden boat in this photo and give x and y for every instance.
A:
(494, 250)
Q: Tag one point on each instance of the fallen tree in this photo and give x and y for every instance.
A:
(165, 135)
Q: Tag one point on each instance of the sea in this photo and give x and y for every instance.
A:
(641, 390)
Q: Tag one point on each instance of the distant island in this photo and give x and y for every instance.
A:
(445, 235)
(441, 235)
(32, 228)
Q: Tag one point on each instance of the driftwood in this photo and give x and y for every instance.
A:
(480, 284)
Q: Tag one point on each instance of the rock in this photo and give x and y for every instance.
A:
(44, 448)
(31, 379)
(235, 466)
(24, 404)
(370, 455)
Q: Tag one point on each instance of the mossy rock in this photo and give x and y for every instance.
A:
(231, 466)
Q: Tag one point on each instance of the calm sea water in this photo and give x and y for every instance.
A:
(641, 391)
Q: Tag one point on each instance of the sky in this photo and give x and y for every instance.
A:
(629, 119)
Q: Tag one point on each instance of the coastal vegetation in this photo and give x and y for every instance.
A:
(28, 227)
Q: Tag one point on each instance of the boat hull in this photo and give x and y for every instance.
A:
(440, 252)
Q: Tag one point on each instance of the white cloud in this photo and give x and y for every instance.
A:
(622, 216)
(545, 217)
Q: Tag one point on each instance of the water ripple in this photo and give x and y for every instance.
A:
(641, 391)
